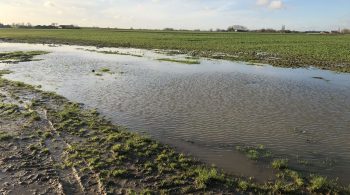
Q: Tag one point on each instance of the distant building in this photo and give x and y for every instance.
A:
(283, 28)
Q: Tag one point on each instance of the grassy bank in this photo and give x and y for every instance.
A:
(51, 145)
(331, 52)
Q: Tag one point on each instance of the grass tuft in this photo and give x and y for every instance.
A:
(206, 177)
(280, 164)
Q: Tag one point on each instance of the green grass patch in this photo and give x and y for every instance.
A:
(105, 70)
(114, 52)
(255, 153)
(280, 164)
(287, 50)
(206, 177)
(119, 173)
(321, 184)
(5, 136)
(3, 72)
(19, 56)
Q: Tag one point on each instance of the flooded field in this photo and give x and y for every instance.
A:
(207, 109)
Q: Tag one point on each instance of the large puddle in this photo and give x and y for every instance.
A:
(207, 109)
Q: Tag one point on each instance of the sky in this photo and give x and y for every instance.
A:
(181, 14)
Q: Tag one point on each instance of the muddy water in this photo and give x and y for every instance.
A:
(208, 109)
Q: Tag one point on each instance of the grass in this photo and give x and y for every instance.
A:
(3, 72)
(320, 184)
(280, 164)
(105, 70)
(5, 136)
(254, 153)
(9, 110)
(330, 52)
(19, 56)
(114, 52)
(206, 177)
(179, 61)
(119, 173)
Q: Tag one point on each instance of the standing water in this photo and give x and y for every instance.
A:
(209, 109)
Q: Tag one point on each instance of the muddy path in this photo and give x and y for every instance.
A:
(32, 150)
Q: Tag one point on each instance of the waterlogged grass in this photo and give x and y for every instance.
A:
(101, 71)
(3, 72)
(5, 136)
(105, 70)
(207, 177)
(179, 61)
(9, 110)
(280, 164)
(320, 184)
(254, 153)
(19, 56)
(114, 52)
(330, 52)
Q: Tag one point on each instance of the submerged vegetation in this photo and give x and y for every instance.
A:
(329, 52)
(187, 61)
(19, 56)
(255, 153)
(114, 52)
(64, 147)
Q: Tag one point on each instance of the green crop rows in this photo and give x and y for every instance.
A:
(330, 52)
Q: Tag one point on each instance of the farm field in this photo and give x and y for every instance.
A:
(330, 52)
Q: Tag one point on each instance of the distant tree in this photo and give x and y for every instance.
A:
(168, 29)
(268, 30)
(237, 28)
(220, 30)
(4, 25)
(346, 31)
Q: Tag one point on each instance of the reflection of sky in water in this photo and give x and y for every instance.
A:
(206, 109)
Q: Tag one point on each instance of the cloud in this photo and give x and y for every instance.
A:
(49, 4)
(262, 2)
(179, 14)
(271, 4)
(276, 4)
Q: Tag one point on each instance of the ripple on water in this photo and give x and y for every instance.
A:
(208, 109)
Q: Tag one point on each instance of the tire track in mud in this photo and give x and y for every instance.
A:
(27, 170)
(73, 181)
